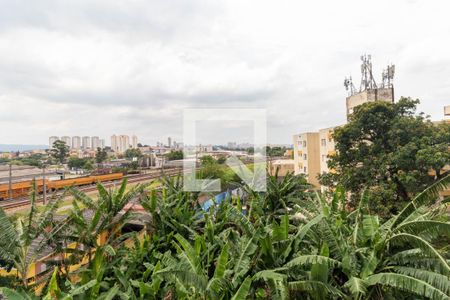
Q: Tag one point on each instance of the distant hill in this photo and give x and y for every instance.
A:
(9, 148)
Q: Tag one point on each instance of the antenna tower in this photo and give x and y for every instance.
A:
(367, 80)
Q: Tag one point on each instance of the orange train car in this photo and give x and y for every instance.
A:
(20, 189)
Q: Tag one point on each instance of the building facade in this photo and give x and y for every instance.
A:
(327, 148)
(86, 142)
(52, 140)
(134, 142)
(67, 140)
(95, 142)
(306, 156)
(372, 95)
(76, 142)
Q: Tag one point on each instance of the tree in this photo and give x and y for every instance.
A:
(60, 151)
(133, 153)
(175, 155)
(101, 155)
(76, 162)
(388, 149)
(283, 244)
(88, 166)
(208, 160)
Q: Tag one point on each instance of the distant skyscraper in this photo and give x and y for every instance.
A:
(169, 142)
(51, 140)
(67, 140)
(86, 142)
(124, 143)
(115, 143)
(102, 143)
(95, 142)
(134, 142)
(120, 143)
(76, 142)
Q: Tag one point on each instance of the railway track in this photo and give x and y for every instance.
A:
(24, 201)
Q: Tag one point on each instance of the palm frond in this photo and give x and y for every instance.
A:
(408, 284)
(357, 287)
(419, 242)
(243, 290)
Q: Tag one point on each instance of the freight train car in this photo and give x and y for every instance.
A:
(21, 189)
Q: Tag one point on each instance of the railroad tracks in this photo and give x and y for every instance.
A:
(24, 201)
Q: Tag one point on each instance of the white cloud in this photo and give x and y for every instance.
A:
(103, 67)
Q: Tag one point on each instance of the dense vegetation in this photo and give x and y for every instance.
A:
(286, 243)
(389, 149)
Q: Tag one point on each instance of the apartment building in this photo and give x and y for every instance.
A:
(76, 142)
(95, 142)
(52, 140)
(327, 148)
(86, 142)
(67, 140)
(306, 156)
(121, 143)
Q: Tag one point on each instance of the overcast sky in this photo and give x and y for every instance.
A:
(130, 67)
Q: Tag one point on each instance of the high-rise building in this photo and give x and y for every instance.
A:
(124, 143)
(102, 143)
(114, 143)
(134, 142)
(86, 142)
(95, 142)
(67, 140)
(76, 142)
(169, 142)
(447, 110)
(120, 143)
(52, 140)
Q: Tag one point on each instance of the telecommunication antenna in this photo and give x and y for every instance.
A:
(367, 80)
(388, 76)
(349, 86)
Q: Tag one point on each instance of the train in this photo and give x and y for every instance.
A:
(23, 188)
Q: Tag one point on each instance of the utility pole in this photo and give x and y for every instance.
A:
(10, 183)
(44, 187)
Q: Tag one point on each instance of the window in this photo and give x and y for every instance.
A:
(324, 157)
(304, 169)
(304, 143)
(323, 142)
(305, 157)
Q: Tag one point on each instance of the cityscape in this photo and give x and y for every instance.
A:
(225, 150)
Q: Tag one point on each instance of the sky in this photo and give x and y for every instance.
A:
(102, 67)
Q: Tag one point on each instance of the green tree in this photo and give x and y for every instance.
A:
(390, 150)
(60, 151)
(88, 165)
(76, 162)
(133, 153)
(175, 155)
(208, 160)
(101, 155)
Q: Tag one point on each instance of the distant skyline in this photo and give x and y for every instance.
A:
(83, 67)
